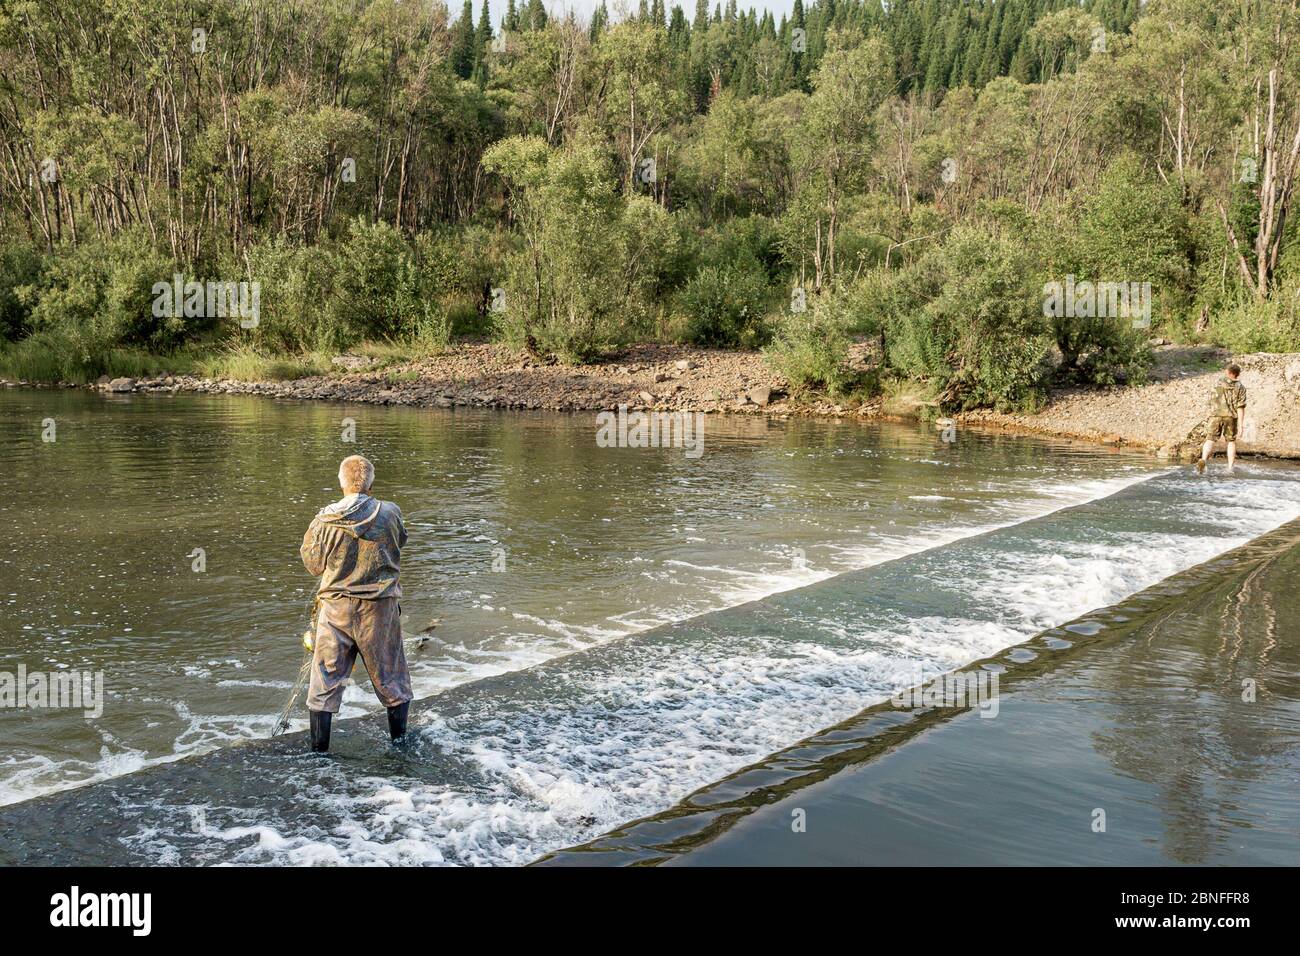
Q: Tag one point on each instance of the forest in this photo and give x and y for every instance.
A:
(904, 176)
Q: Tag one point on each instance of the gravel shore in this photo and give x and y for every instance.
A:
(1167, 415)
(662, 377)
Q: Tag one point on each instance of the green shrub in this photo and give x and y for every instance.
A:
(376, 285)
(567, 285)
(652, 260)
(967, 318)
(725, 306)
(811, 348)
(456, 265)
(752, 241)
(98, 296)
(432, 330)
(294, 314)
(373, 285)
(20, 265)
(1132, 229)
(1101, 350)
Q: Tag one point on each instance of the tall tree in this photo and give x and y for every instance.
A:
(463, 47)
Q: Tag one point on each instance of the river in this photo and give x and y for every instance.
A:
(617, 627)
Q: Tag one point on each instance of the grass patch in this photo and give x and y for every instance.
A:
(433, 337)
(1250, 325)
(248, 365)
(50, 358)
(47, 358)
(383, 353)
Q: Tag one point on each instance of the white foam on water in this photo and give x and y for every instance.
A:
(726, 587)
(36, 774)
(663, 719)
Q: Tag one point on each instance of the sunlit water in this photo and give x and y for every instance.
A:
(530, 543)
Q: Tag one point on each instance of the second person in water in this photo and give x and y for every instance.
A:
(1227, 416)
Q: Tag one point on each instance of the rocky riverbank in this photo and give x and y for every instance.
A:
(661, 377)
(1165, 415)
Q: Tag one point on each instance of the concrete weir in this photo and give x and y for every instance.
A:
(1119, 713)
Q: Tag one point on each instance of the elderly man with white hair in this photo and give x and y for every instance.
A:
(355, 547)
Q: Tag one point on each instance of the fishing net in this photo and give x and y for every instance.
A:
(281, 724)
(304, 673)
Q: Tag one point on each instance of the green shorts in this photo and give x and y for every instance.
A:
(1220, 427)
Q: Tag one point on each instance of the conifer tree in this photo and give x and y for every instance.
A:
(482, 44)
(536, 15)
(599, 21)
(462, 42)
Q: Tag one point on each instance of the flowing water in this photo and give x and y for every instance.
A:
(615, 629)
(1176, 712)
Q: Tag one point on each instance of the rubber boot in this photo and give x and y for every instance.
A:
(320, 730)
(397, 721)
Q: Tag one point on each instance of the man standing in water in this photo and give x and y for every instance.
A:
(355, 547)
(1227, 413)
